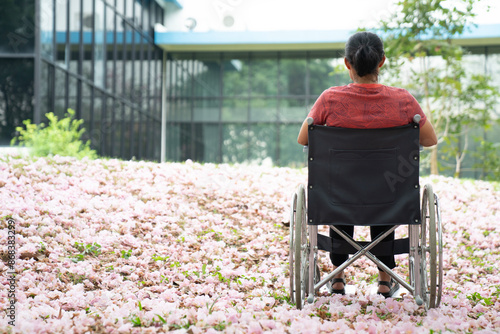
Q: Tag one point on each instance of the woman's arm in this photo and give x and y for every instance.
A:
(427, 134)
(303, 139)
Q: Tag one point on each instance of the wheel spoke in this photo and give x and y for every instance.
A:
(300, 248)
(429, 263)
(292, 247)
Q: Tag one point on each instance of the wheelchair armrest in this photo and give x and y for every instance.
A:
(417, 118)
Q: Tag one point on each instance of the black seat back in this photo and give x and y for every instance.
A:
(363, 176)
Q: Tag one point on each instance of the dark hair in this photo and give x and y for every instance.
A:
(364, 51)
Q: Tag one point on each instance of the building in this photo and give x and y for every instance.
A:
(242, 75)
(96, 57)
(239, 76)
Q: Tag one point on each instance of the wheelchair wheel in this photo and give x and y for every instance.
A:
(440, 252)
(300, 250)
(293, 216)
(431, 250)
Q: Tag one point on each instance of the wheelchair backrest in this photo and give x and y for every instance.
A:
(363, 176)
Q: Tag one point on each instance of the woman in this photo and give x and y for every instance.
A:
(366, 104)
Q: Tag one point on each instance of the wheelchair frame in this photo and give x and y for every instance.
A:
(425, 252)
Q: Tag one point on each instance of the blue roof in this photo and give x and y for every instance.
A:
(252, 37)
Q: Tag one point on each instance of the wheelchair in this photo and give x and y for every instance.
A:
(365, 177)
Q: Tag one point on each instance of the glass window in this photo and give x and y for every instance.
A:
(236, 75)
(95, 122)
(129, 92)
(46, 80)
(110, 75)
(206, 75)
(129, 10)
(134, 77)
(290, 152)
(179, 75)
(264, 74)
(16, 95)
(137, 14)
(113, 128)
(493, 66)
(120, 6)
(179, 110)
(151, 16)
(72, 93)
(120, 128)
(235, 143)
(87, 68)
(60, 93)
(320, 78)
(74, 35)
(206, 110)
(173, 142)
(186, 76)
(292, 110)
(159, 15)
(293, 75)
(263, 109)
(157, 74)
(208, 142)
(17, 35)
(47, 28)
(100, 44)
(107, 126)
(62, 52)
(262, 141)
(151, 138)
(88, 18)
(122, 70)
(87, 106)
(126, 133)
(235, 110)
(145, 70)
(134, 127)
(117, 79)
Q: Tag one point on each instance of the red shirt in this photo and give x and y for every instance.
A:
(365, 106)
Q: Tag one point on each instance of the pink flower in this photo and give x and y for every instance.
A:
(209, 250)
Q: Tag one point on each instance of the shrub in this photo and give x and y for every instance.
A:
(59, 137)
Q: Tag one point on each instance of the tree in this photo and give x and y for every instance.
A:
(476, 101)
(58, 137)
(419, 34)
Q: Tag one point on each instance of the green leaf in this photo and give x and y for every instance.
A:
(59, 137)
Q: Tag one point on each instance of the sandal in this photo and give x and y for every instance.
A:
(338, 291)
(393, 285)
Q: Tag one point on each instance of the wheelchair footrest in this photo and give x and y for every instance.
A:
(386, 248)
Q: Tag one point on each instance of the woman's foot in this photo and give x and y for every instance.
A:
(338, 283)
(386, 285)
(392, 285)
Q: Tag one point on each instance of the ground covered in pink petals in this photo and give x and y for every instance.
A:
(109, 246)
